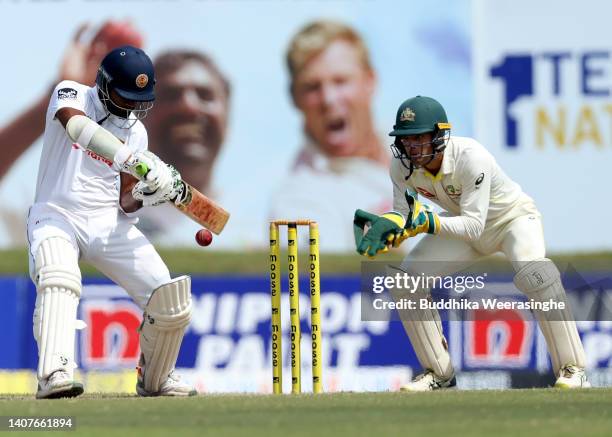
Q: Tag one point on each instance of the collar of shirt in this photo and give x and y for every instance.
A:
(98, 106)
(448, 163)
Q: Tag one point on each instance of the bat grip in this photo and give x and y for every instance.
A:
(141, 169)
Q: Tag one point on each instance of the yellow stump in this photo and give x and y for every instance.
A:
(315, 314)
(275, 291)
(294, 308)
(294, 305)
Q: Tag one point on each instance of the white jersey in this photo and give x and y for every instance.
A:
(470, 186)
(70, 177)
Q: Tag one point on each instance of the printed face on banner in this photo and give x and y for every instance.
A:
(334, 92)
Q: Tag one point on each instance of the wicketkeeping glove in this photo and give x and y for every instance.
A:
(383, 231)
(421, 219)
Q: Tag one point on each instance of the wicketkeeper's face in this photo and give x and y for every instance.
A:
(418, 148)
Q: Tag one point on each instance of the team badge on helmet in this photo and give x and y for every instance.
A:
(407, 115)
(142, 80)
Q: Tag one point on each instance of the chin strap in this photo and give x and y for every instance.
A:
(410, 170)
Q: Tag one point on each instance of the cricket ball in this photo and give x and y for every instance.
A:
(204, 237)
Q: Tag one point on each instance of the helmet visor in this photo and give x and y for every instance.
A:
(416, 153)
(123, 107)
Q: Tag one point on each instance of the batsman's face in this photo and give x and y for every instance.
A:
(188, 123)
(121, 102)
(334, 92)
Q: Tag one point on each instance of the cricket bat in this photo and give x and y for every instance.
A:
(195, 205)
(201, 209)
(89, 136)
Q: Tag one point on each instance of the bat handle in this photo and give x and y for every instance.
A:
(141, 169)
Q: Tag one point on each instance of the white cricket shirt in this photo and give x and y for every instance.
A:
(70, 177)
(470, 186)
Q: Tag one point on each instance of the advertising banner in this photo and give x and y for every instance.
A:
(227, 345)
(542, 79)
(224, 115)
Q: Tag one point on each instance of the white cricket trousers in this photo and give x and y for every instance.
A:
(106, 239)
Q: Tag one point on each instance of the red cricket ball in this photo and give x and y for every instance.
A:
(204, 237)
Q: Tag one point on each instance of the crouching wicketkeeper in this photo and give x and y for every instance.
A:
(486, 212)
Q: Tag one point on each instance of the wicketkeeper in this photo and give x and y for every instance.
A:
(80, 214)
(486, 212)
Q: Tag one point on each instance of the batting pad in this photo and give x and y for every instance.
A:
(540, 280)
(424, 329)
(58, 286)
(165, 320)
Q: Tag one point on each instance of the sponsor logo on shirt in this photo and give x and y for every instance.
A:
(479, 180)
(66, 93)
(92, 155)
(42, 220)
(425, 193)
(452, 192)
(99, 158)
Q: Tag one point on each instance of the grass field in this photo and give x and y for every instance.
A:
(210, 261)
(541, 412)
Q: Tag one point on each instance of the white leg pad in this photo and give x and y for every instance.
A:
(165, 320)
(58, 287)
(424, 328)
(540, 280)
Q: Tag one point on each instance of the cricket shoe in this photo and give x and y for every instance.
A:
(173, 386)
(428, 381)
(571, 376)
(58, 385)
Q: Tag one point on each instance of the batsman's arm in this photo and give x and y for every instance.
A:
(109, 143)
(65, 114)
(91, 136)
(126, 200)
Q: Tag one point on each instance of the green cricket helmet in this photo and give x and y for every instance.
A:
(416, 116)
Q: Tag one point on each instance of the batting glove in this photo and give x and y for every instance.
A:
(167, 191)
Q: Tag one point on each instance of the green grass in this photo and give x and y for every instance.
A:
(15, 261)
(542, 412)
(207, 261)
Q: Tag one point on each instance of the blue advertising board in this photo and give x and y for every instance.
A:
(228, 339)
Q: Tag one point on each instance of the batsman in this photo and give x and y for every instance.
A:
(94, 171)
(485, 212)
